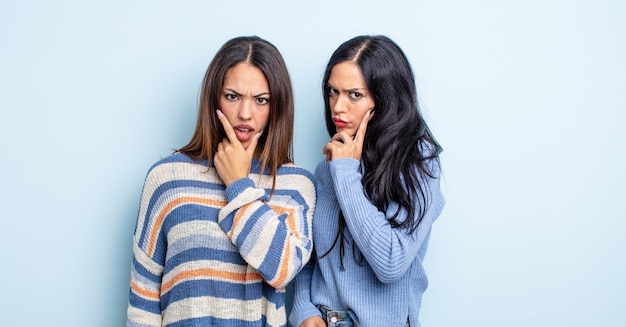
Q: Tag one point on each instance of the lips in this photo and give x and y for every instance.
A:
(243, 132)
(340, 122)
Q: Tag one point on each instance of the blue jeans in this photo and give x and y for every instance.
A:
(336, 318)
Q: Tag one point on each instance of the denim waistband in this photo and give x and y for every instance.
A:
(335, 317)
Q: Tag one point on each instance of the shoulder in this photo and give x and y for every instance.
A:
(323, 173)
(175, 166)
(177, 159)
(291, 176)
(432, 162)
(294, 170)
(322, 167)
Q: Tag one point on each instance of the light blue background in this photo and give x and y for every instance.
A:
(527, 98)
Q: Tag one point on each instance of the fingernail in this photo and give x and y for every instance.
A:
(219, 113)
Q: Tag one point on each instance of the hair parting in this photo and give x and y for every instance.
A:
(275, 147)
(386, 161)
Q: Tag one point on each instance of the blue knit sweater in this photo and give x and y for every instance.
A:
(206, 255)
(386, 290)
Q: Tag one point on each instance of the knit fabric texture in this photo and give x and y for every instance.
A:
(386, 288)
(207, 255)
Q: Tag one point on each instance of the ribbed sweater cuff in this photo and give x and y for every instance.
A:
(302, 311)
(343, 165)
(238, 186)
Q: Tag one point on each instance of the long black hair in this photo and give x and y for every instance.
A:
(399, 151)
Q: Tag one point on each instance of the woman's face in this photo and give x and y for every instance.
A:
(348, 97)
(245, 101)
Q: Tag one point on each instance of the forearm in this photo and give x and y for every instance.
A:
(274, 237)
(389, 251)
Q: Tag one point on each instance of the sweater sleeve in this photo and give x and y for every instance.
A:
(144, 308)
(303, 308)
(389, 251)
(273, 237)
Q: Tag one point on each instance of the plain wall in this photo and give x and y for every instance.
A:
(526, 97)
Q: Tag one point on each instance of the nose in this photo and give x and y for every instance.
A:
(339, 104)
(245, 110)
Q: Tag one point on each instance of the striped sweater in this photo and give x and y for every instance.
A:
(206, 255)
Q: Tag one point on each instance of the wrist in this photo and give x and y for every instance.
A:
(237, 186)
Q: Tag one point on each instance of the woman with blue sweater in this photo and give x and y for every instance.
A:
(378, 194)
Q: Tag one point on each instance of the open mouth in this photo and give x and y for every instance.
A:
(243, 133)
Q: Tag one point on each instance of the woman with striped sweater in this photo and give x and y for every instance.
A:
(225, 222)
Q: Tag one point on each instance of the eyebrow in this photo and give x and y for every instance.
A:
(348, 90)
(255, 96)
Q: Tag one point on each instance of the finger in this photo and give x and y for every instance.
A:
(253, 144)
(327, 151)
(341, 137)
(228, 128)
(360, 132)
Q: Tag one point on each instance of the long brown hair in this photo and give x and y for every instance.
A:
(275, 146)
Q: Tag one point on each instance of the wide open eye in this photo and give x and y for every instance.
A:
(355, 95)
(262, 101)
